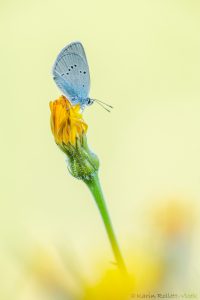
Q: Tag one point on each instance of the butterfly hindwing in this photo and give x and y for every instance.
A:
(65, 87)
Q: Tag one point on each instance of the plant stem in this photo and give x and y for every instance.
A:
(95, 188)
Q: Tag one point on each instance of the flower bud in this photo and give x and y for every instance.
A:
(69, 130)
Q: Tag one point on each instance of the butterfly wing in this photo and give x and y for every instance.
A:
(74, 47)
(71, 72)
(66, 88)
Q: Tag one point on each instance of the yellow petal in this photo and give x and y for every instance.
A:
(66, 121)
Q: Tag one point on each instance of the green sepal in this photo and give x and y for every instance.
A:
(82, 162)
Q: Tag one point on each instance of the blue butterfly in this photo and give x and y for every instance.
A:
(72, 76)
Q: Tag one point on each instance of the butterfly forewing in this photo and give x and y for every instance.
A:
(71, 73)
(76, 48)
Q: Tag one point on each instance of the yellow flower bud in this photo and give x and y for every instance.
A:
(66, 121)
(69, 132)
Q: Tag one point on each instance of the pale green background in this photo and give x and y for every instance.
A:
(144, 59)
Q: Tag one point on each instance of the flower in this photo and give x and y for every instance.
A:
(54, 273)
(112, 284)
(69, 130)
(175, 218)
(66, 121)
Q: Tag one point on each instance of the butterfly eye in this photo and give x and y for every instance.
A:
(89, 101)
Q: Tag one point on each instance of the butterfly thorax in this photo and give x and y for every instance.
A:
(82, 101)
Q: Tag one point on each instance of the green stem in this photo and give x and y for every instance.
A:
(95, 188)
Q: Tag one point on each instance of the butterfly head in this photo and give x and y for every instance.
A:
(89, 101)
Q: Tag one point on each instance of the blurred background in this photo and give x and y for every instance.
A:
(144, 60)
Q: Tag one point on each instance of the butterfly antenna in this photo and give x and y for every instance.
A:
(97, 100)
(102, 105)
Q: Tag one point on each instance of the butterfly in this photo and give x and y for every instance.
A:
(72, 76)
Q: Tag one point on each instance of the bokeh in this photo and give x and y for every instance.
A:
(144, 59)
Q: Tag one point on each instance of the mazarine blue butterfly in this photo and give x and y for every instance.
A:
(72, 76)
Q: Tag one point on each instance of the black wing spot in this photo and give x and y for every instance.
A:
(83, 85)
(84, 72)
(62, 74)
(80, 71)
(67, 73)
(75, 65)
(71, 67)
